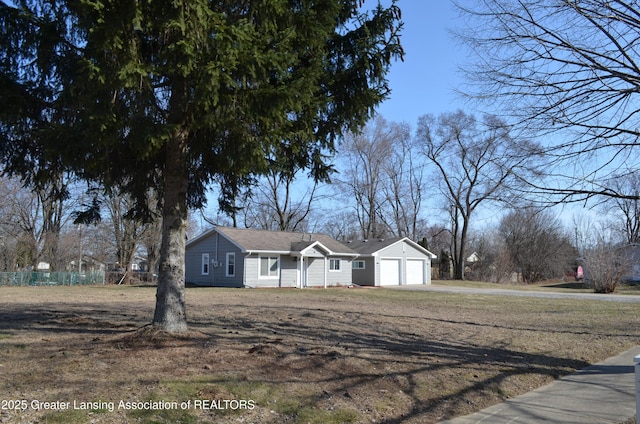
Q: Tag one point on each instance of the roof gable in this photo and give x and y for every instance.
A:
(372, 247)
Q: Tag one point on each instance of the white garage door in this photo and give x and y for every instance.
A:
(390, 272)
(415, 271)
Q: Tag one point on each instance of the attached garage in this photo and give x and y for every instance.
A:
(416, 271)
(389, 262)
(390, 272)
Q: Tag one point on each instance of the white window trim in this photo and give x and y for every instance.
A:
(205, 265)
(231, 258)
(359, 261)
(332, 261)
(268, 277)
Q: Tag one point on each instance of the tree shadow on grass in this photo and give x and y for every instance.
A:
(318, 347)
(575, 285)
(341, 358)
(86, 319)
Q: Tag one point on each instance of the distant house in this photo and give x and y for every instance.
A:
(473, 258)
(43, 267)
(234, 257)
(630, 258)
(624, 260)
(87, 264)
(391, 262)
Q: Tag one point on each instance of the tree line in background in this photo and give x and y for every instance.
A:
(437, 186)
(39, 233)
(386, 182)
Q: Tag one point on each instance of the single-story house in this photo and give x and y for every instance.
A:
(235, 257)
(630, 258)
(393, 261)
(473, 258)
(622, 261)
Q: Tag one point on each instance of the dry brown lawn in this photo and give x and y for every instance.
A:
(289, 356)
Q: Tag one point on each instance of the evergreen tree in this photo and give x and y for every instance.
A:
(172, 95)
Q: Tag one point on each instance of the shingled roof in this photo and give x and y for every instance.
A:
(371, 246)
(251, 240)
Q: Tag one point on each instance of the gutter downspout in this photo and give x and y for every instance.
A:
(244, 269)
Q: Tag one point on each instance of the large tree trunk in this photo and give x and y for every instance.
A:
(170, 313)
(460, 249)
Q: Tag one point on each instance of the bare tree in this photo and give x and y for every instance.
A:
(605, 268)
(366, 154)
(33, 217)
(475, 162)
(403, 180)
(20, 215)
(126, 230)
(52, 197)
(489, 262)
(151, 243)
(628, 206)
(565, 69)
(131, 233)
(340, 224)
(537, 244)
(278, 203)
(382, 180)
(8, 234)
(604, 255)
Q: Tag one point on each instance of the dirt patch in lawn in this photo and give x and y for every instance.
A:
(86, 354)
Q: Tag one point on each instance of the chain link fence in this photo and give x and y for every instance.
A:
(28, 278)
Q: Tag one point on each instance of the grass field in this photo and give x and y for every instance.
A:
(289, 356)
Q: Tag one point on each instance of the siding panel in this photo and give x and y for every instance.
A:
(366, 276)
(217, 247)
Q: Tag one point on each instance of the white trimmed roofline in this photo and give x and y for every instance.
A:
(403, 239)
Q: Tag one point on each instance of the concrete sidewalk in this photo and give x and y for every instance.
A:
(601, 393)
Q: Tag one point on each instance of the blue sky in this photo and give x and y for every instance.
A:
(425, 81)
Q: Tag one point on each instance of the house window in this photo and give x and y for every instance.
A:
(231, 264)
(205, 264)
(358, 265)
(269, 266)
(334, 264)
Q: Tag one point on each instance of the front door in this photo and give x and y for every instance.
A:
(306, 265)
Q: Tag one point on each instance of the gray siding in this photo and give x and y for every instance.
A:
(315, 272)
(340, 278)
(314, 252)
(252, 273)
(366, 276)
(217, 248)
(247, 267)
(319, 272)
(401, 250)
(287, 275)
(288, 271)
